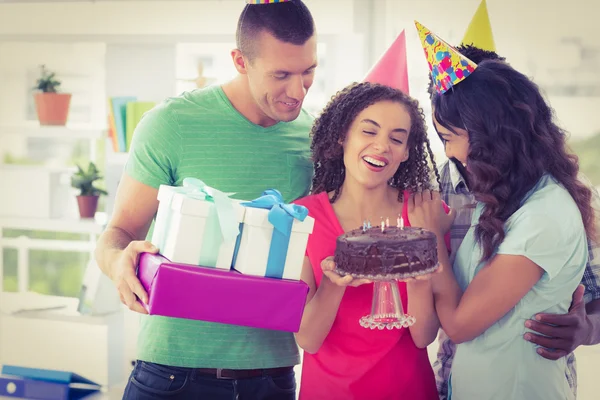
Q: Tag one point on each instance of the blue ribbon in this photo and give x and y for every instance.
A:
(221, 222)
(281, 216)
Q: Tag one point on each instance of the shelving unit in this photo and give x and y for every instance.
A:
(73, 132)
(43, 331)
(91, 227)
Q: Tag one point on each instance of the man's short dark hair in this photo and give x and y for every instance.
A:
(289, 22)
(474, 54)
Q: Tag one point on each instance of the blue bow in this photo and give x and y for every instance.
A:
(281, 216)
(227, 218)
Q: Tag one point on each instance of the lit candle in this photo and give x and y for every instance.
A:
(364, 226)
(368, 224)
(398, 222)
(387, 222)
(401, 223)
(382, 226)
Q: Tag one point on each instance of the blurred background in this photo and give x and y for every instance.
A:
(118, 58)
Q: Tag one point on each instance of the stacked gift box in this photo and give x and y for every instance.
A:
(227, 261)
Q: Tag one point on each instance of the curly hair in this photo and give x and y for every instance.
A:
(513, 142)
(476, 55)
(331, 127)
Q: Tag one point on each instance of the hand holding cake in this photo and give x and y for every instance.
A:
(328, 266)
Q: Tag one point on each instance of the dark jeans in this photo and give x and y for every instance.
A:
(150, 381)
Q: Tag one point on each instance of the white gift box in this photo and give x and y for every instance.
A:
(255, 243)
(181, 233)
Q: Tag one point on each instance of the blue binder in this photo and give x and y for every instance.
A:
(44, 384)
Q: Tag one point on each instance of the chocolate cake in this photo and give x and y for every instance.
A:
(395, 253)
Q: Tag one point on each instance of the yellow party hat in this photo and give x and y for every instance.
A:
(479, 32)
(448, 67)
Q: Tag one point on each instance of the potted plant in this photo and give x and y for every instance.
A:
(89, 194)
(52, 107)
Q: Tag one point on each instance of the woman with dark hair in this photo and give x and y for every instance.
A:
(370, 150)
(526, 249)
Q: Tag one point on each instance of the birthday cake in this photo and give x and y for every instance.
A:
(384, 254)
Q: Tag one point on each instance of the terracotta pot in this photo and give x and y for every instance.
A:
(87, 206)
(52, 108)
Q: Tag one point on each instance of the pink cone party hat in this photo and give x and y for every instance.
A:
(391, 69)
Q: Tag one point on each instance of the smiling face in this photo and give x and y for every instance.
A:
(279, 77)
(456, 144)
(376, 144)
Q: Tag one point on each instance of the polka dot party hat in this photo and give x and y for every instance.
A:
(447, 66)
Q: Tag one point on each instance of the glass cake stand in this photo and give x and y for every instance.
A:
(387, 311)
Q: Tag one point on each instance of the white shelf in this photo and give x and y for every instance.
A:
(71, 132)
(88, 226)
(35, 305)
(39, 168)
(15, 302)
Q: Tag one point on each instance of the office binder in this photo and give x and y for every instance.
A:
(44, 384)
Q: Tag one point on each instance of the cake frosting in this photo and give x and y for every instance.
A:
(395, 253)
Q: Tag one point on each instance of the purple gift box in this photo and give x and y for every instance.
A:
(228, 297)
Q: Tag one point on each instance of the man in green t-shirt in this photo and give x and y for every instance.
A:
(245, 136)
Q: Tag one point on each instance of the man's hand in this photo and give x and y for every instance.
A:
(562, 333)
(124, 277)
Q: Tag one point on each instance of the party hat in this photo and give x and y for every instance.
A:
(448, 67)
(265, 1)
(391, 69)
(479, 32)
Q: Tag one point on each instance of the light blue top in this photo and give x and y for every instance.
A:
(500, 364)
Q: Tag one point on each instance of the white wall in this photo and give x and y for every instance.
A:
(538, 37)
(146, 71)
(141, 45)
(151, 17)
(530, 34)
(80, 65)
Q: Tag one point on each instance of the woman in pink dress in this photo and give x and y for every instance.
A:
(370, 152)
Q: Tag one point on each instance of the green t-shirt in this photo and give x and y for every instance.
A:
(200, 134)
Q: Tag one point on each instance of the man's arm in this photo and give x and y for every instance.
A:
(561, 334)
(121, 243)
(593, 320)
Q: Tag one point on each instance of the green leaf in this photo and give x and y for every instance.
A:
(83, 180)
(47, 82)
